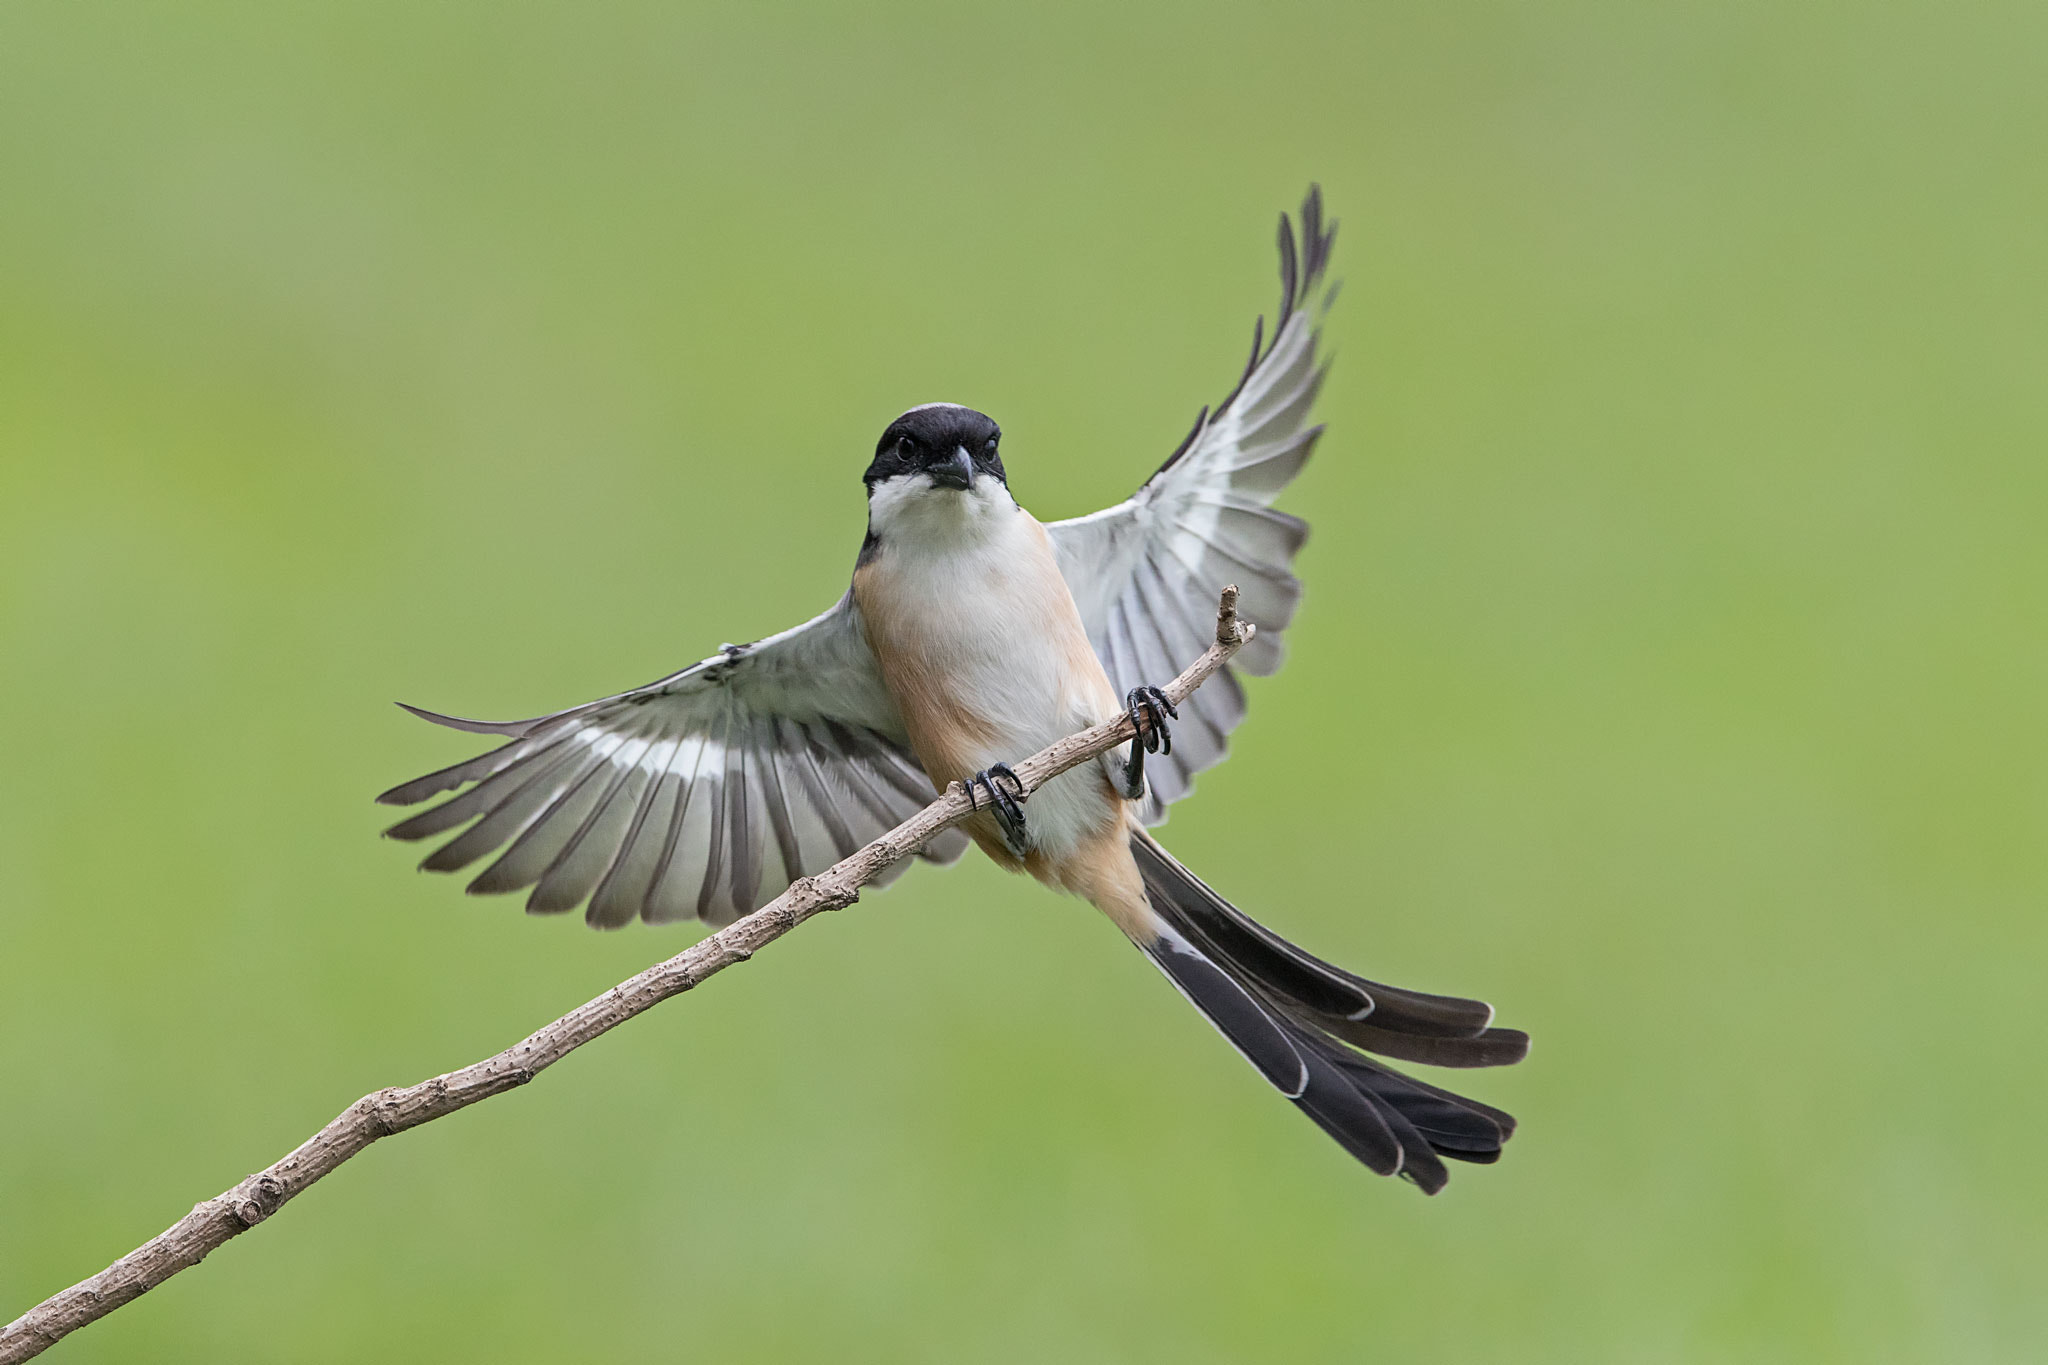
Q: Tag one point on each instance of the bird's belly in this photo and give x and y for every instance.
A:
(1069, 810)
(1003, 709)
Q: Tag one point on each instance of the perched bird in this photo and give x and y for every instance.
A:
(972, 635)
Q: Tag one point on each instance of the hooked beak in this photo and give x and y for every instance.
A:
(957, 472)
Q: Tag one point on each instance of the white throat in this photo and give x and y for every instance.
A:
(910, 512)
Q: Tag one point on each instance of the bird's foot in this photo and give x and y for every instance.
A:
(1148, 709)
(1004, 804)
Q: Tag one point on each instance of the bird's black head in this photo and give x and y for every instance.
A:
(952, 444)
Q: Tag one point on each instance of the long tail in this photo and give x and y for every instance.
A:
(1292, 1016)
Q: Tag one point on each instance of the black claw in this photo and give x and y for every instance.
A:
(1006, 802)
(1148, 709)
(1009, 813)
(1144, 706)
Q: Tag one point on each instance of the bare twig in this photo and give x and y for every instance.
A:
(213, 1221)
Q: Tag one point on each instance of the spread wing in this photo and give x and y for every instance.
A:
(703, 794)
(1146, 572)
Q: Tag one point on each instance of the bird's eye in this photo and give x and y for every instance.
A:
(906, 447)
(990, 445)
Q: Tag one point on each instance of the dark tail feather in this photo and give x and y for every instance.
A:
(1291, 1015)
(1438, 1030)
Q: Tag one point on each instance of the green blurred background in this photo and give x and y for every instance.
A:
(1670, 674)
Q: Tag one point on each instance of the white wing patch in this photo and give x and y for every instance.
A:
(686, 753)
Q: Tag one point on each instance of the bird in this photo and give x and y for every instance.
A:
(972, 635)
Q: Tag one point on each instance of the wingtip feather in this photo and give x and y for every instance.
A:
(1288, 267)
(514, 728)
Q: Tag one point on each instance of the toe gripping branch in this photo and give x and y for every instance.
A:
(1148, 709)
(1005, 804)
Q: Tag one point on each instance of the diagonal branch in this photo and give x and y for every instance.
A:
(213, 1221)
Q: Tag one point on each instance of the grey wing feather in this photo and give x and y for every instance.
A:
(1146, 572)
(705, 793)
